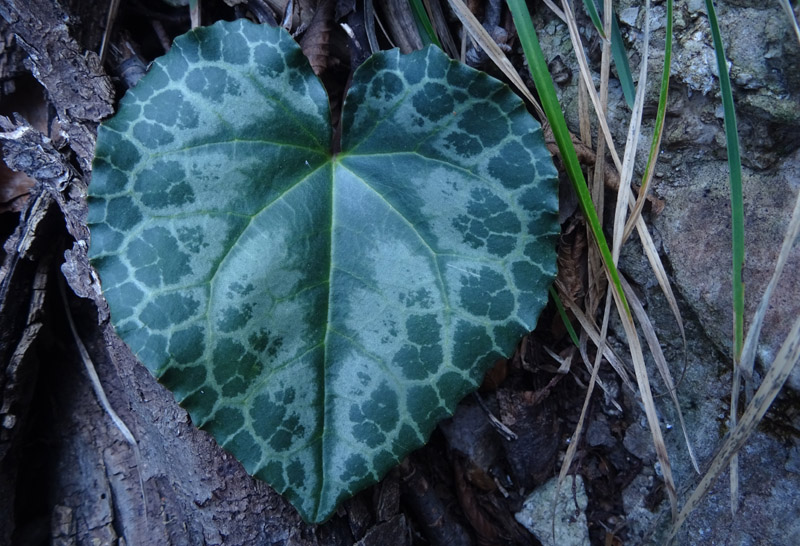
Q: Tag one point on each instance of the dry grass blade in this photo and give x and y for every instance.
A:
(643, 381)
(787, 7)
(624, 196)
(113, 8)
(288, 15)
(194, 13)
(637, 356)
(485, 41)
(597, 278)
(773, 381)
(661, 362)
(591, 330)
(88, 365)
(386, 34)
(586, 74)
(647, 399)
(533, 50)
(369, 25)
(751, 341)
(787, 358)
(632, 143)
(544, 84)
(635, 219)
(555, 9)
(753, 334)
(574, 441)
(646, 239)
(585, 128)
(100, 393)
(661, 274)
(434, 9)
(658, 130)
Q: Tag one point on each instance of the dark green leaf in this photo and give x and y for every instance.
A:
(427, 33)
(594, 16)
(319, 314)
(621, 63)
(618, 51)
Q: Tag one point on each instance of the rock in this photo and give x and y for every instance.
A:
(629, 15)
(639, 518)
(695, 226)
(694, 6)
(768, 506)
(470, 432)
(639, 442)
(793, 460)
(693, 237)
(570, 522)
(694, 60)
(598, 433)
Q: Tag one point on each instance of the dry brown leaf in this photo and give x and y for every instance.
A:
(485, 529)
(315, 41)
(14, 189)
(571, 278)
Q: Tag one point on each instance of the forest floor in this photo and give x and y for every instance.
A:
(69, 477)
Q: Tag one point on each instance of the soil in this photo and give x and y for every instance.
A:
(68, 476)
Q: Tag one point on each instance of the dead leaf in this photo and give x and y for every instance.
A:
(14, 189)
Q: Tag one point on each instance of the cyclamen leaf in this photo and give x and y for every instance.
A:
(318, 314)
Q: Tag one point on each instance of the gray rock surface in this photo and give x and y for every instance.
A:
(693, 237)
(692, 174)
(570, 515)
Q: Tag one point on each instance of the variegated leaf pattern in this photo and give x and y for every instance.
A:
(318, 314)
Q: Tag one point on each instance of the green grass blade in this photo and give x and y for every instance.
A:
(618, 52)
(735, 166)
(546, 89)
(564, 318)
(621, 62)
(547, 93)
(737, 232)
(429, 36)
(594, 16)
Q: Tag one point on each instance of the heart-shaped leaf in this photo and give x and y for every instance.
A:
(319, 313)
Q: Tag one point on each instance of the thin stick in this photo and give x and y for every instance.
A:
(100, 393)
(112, 16)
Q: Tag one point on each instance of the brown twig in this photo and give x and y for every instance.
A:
(587, 157)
